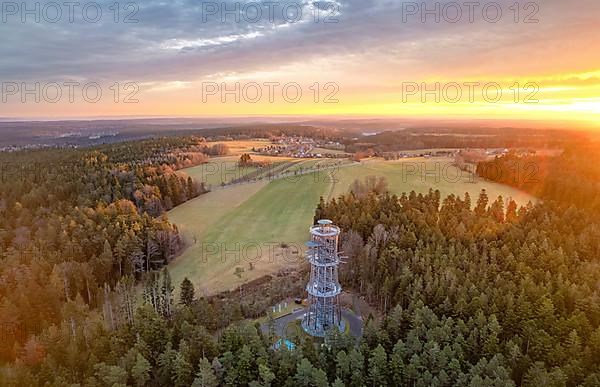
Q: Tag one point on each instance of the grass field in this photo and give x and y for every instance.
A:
(420, 175)
(247, 231)
(222, 170)
(196, 217)
(318, 163)
(325, 151)
(238, 147)
(243, 232)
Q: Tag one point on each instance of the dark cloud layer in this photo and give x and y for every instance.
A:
(179, 41)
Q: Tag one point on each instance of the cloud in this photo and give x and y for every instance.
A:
(184, 40)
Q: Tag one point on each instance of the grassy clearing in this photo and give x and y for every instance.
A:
(420, 174)
(303, 165)
(311, 164)
(238, 147)
(219, 170)
(276, 168)
(258, 236)
(263, 223)
(325, 151)
(195, 217)
(223, 170)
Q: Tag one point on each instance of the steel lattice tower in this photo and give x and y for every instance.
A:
(323, 286)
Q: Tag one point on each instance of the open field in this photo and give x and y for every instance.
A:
(238, 147)
(255, 228)
(325, 151)
(417, 152)
(243, 232)
(195, 217)
(223, 170)
(420, 174)
(318, 163)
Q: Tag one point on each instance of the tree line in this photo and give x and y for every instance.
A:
(572, 178)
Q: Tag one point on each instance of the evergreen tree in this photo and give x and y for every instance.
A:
(343, 370)
(141, 371)
(537, 375)
(182, 370)
(266, 375)
(378, 367)
(305, 373)
(337, 383)
(166, 364)
(511, 211)
(357, 364)
(111, 375)
(482, 202)
(186, 292)
(245, 366)
(396, 363)
(205, 377)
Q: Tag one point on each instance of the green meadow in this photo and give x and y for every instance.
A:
(242, 232)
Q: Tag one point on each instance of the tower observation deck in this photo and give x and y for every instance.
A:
(323, 287)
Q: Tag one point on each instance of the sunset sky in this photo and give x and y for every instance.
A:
(368, 57)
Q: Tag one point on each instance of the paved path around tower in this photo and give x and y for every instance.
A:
(282, 322)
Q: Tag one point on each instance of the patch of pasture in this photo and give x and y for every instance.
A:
(259, 236)
(242, 232)
(421, 174)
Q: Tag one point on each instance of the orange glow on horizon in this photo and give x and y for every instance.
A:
(570, 98)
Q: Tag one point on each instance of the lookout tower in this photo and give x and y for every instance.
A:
(323, 287)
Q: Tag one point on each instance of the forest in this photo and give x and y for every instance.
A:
(573, 177)
(432, 138)
(468, 291)
(510, 293)
(477, 295)
(75, 222)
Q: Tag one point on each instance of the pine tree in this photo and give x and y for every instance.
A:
(111, 375)
(205, 377)
(511, 211)
(304, 373)
(378, 367)
(271, 326)
(103, 265)
(467, 201)
(396, 363)
(496, 210)
(482, 202)
(191, 188)
(342, 366)
(320, 211)
(245, 366)
(141, 370)
(357, 363)
(266, 375)
(182, 370)
(187, 292)
(337, 383)
(320, 378)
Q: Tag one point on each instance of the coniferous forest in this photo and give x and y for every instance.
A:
(472, 291)
(311, 193)
(78, 227)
